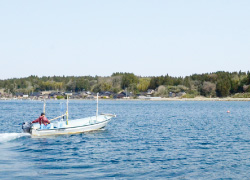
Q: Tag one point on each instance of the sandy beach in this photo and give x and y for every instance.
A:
(200, 98)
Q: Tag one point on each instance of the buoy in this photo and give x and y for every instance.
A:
(228, 111)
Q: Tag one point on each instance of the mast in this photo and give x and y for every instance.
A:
(67, 112)
(44, 106)
(97, 106)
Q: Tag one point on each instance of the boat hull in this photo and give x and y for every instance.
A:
(75, 126)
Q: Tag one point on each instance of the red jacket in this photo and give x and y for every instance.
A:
(41, 120)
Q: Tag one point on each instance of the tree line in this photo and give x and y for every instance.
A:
(217, 84)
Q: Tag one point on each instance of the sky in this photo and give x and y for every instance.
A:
(144, 37)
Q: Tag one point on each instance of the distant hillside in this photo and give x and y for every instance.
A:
(217, 84)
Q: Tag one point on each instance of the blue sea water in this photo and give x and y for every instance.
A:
(147, 140)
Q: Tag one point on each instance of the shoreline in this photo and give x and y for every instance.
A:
(144, 99)
(202, 99)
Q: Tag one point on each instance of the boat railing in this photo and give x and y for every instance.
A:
(113, 115)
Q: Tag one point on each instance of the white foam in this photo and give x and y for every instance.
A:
(5, 137)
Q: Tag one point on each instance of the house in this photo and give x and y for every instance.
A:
(19, 95)
(123, 95)
(69, 93)
(171, 94)
(150, 91)
(88, 92)
(54, 94)
(119, 96)
(76, 95)
(25, 96)
(105, 95)
(35, 95)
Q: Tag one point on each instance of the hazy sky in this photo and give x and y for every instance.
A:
(145, 37)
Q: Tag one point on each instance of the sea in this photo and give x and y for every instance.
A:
(146, 140)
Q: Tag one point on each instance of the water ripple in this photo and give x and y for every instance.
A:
(147, 140)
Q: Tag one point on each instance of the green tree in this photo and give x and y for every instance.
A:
(128, 79)
(82, 84)
(223, 85)
(143, 84)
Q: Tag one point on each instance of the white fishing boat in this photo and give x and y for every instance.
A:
(69, 126)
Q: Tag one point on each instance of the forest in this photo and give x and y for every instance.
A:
(216, 84)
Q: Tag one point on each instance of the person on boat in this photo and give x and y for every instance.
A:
(43, 121)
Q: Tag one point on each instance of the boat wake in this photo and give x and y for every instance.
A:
(5, 137)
